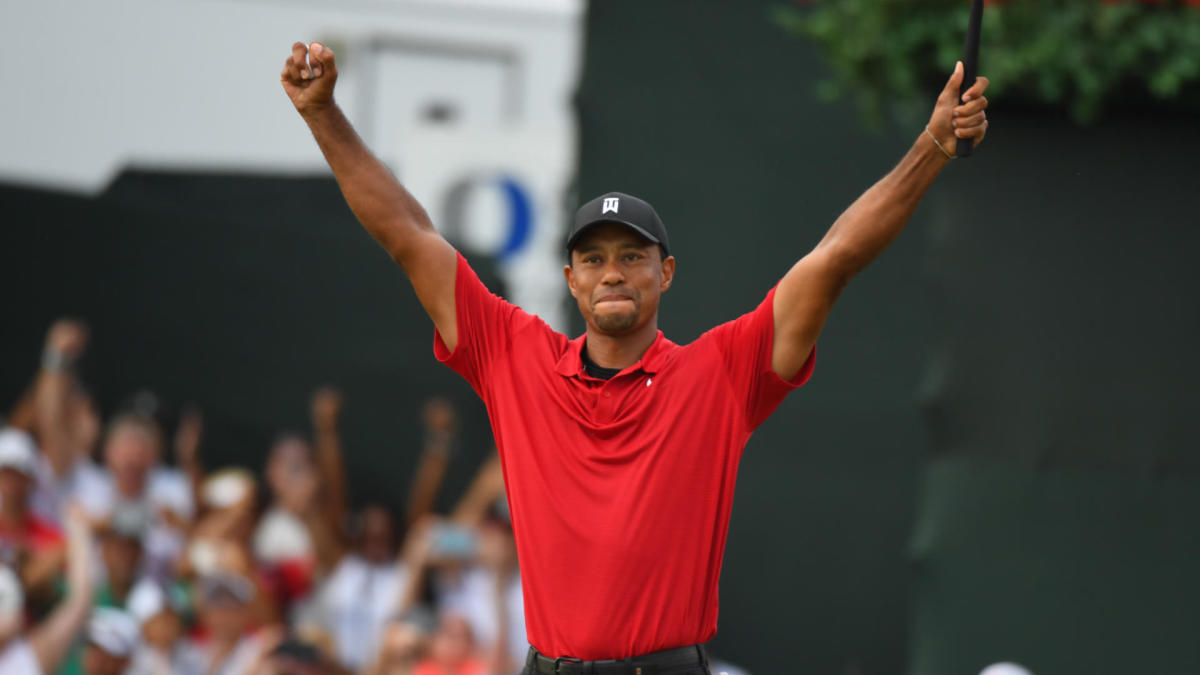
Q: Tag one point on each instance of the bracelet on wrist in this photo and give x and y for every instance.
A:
(55, 360)
(935, 142)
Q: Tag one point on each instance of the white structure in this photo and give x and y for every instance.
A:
(482, 88)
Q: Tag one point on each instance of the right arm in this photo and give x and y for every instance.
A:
(52, 638)
(388, 212)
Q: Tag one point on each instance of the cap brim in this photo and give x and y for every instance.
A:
(603, 221)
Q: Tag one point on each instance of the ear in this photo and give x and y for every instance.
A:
(569, 274)
(668, 274)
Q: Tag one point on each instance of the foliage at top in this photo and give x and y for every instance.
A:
(1083, 56)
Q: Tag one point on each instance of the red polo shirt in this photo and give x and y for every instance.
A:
(620, 490)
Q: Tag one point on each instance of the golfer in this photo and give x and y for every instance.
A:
(620, 448)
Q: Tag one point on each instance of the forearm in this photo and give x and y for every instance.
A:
(51, 391)
(388, 212)
(430, 473)
(874, 220)
(329, 458)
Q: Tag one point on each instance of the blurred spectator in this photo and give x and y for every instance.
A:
(140, 489)
(228, 643)
(221, 538)
(299, 536)
(121, 555)
(365, 585)
(28, 544)
(295, 657)
(360, 594)
(43, 647)
(452, 651)
(112, 637)
(404, 644)
(63, 417)
(162, 650)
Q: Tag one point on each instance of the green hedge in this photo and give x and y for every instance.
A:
(1081, 56)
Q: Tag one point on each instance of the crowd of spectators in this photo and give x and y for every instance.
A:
(115, 558)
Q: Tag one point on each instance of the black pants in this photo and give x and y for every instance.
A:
(669, 662)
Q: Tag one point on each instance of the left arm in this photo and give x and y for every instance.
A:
(806, 294)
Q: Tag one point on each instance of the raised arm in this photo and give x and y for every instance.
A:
(388, 212)
(806, 294)
(51, 639)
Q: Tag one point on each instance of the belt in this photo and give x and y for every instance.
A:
(646, 664)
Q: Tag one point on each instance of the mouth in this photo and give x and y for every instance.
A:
(613, 297)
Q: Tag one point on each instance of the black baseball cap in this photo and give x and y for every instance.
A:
(627, 210)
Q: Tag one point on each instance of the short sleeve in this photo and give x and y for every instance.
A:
(484, 322)
(745, 345)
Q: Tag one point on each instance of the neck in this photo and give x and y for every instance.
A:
(620, 351)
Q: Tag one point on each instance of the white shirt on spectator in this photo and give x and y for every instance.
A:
(17, 658)
(168, 489)
(357, 600)
(84, 483)
(281, 536)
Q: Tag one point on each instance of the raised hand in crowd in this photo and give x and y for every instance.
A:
(326, 411)
(440, 422)
(66, 342)
(50, 640)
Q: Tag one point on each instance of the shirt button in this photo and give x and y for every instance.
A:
(607, 395)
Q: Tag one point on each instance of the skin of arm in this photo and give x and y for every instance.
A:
(386, 210)
(439, 420)
(67, 339)
(805, 296)
(51, 640)
(327, 441)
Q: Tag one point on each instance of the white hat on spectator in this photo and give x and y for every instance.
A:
(18, 451)
(146, 600)
(113, 630)
(1005, 668)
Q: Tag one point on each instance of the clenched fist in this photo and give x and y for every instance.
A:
(308, 76)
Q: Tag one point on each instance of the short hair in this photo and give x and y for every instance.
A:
(143, 423)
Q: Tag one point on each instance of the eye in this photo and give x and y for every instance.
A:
(633, 256)
(591, 259)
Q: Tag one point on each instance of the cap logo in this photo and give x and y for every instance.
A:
(610, 205)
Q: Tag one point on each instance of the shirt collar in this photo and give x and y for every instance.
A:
(571, 363)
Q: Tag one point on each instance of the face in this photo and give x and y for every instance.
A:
(163, 629)
(130, 453)
(402, 644)
(452, 643)
(377, 534)
(225, 619)
(290, 460)
(96, 661)
(617, 277)
(14, 490)
(121, 559)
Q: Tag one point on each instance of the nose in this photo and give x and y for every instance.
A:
(613, 276)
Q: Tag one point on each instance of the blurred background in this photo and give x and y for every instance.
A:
(996, 460)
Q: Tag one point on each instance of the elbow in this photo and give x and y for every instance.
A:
(842, 261)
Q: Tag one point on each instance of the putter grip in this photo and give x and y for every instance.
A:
(970, 68)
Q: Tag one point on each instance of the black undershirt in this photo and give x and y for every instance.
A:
(596, 371)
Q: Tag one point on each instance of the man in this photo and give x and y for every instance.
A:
(141, 490)
(620, 448)
(30, 545)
